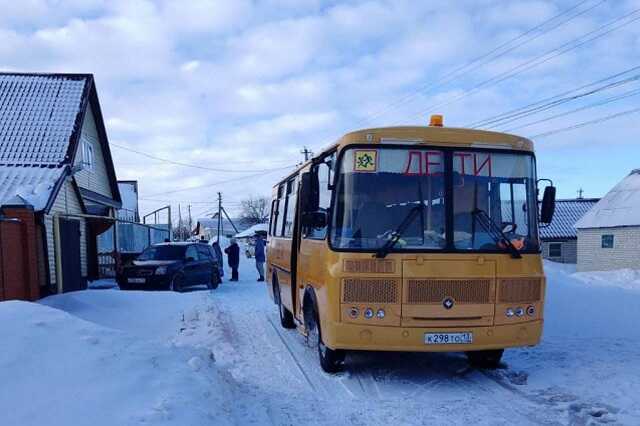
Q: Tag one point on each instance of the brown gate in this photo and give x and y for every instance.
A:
(18, 261)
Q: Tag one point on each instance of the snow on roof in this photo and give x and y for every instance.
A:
(28, 185)
(620, 207)
(37, 117)
(250, 232)
(567, 213)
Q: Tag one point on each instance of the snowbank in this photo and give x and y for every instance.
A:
(628, 279)
(58, 369)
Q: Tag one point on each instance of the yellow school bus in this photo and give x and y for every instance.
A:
(412, 239)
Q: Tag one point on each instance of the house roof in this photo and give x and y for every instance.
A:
(41, 118)
(619, 207)
(567, 213)
(28, 185)
(39, 114)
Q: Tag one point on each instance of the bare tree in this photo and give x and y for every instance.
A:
(254, 209)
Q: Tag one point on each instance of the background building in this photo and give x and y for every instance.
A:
(559, 239)
(609, 234)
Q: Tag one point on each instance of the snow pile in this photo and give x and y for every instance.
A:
(623, 278)
(58, 369)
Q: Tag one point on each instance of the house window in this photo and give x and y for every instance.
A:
(555, 250)
(87, 155)
(607, 241)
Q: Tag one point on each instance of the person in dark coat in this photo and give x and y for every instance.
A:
(233, 257)
(260, 257)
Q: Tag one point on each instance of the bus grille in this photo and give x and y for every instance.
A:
(426, 291)
(516, 290)
(369, 266)
(369, 291)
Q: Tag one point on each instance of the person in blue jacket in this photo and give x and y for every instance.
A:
(233, 257)
(260, 257)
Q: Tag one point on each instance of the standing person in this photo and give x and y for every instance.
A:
(233, 256)
(260, 258)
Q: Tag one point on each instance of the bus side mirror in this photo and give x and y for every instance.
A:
(548, 206)
(309, 193)
(317, 219)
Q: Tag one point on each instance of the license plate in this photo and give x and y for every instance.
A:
(448, 338)
(137, 280)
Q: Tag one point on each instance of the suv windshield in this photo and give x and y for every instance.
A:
(163, 253)
(378, 188)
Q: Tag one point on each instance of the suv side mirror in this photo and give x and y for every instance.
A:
(309, 192)
(548, 206)
(317, 219)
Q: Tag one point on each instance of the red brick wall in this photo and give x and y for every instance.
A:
(19, 273)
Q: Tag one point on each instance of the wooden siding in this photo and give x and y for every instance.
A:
(96, 180)
(625, 252)
(66, 202)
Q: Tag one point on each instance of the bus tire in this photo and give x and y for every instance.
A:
(286, 318)
(489, 359)
(331, 360)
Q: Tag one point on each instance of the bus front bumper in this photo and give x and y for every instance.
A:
(338, 335)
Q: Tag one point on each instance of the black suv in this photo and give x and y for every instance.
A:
(172, 266)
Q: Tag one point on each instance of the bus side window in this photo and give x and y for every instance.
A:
(279, 215)
(292, 194)
(325, 175)
(273, 216)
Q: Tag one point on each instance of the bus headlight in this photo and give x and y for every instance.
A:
(519, 311)
(509, 312)
(368, 313)
(380, 313)
(354, 312)
(531, 310)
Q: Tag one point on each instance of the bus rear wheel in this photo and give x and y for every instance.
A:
(286, 318)
(331, 360)
(489, 359)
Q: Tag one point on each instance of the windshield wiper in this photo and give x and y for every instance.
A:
(395, 235)
(495, 232)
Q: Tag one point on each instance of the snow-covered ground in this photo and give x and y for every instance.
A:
(106, 357)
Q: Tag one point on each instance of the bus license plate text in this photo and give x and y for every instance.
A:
(448, 338)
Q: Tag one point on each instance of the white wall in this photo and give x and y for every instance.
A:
(96, 180)
(624, 254)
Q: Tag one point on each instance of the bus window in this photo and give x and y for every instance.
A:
(279, 220)
(325, 173)
(273, 216)
(292, 195)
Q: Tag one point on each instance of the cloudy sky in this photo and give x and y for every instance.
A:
(239, 87)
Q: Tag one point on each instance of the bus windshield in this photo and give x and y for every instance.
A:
(380, 188)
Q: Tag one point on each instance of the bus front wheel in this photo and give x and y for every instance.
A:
(331, 360)
(489, 359)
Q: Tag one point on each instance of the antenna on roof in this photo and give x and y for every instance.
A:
(580, 192)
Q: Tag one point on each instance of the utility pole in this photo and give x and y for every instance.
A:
(219, 214)
(580, 192)
(306, 153)
(180, 225)
(190, 220)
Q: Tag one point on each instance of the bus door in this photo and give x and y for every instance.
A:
(314, 218)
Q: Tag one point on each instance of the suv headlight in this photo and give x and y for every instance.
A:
(161, 270)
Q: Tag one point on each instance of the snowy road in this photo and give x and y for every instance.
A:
(108, 357)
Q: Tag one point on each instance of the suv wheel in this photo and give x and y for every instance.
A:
(177, 283)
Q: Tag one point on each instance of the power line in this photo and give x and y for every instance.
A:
(541, 59)
(624, 95)
(523, 110)
(488, 57)
(178, 163)
(222, 182)
(586, 123)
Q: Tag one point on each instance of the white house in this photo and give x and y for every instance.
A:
(609, 234)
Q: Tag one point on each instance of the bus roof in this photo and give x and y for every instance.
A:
(426, 135)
